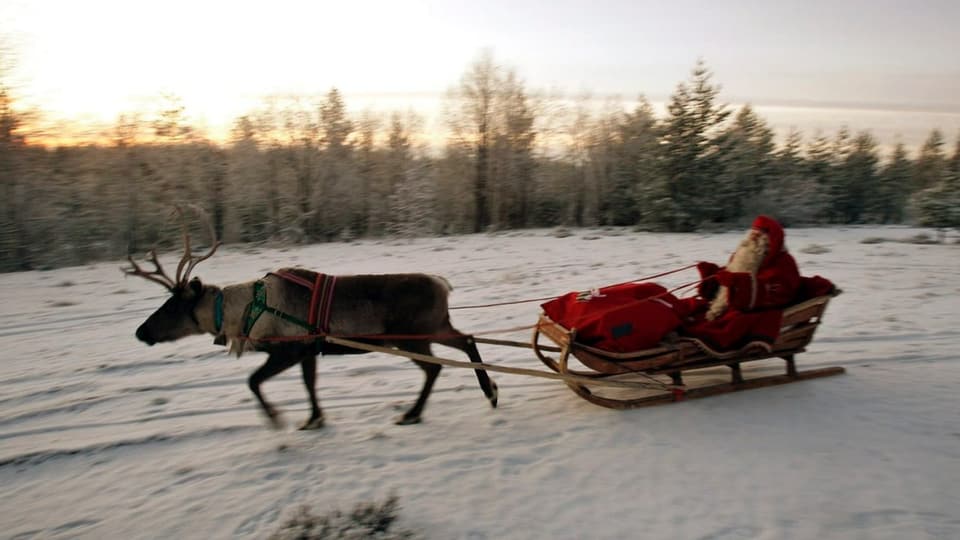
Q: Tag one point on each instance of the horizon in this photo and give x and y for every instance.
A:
(890, 124)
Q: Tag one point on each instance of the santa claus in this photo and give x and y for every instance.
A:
(761, 274)
(737, 305)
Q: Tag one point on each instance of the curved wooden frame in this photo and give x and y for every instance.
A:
(683, 354)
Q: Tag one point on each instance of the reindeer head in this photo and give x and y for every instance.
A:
(175, 318)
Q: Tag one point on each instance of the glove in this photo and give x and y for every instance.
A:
(707, 269)
(740, 286)
(708, 287)
(734, 280)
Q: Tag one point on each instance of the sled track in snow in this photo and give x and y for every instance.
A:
(70, 322)
(912, 337)
(43, 456)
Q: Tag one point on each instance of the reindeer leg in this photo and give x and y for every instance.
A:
(275, 364)
(309, 367)
(431, 371)
(466, 344)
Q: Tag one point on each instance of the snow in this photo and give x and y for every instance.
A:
(104, 437)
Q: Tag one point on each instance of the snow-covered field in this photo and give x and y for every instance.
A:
(104, 437)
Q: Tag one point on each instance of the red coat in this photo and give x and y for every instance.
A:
(775, 284)
(754, 312)
(626, 318)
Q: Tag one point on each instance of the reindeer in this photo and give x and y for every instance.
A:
(277, 314)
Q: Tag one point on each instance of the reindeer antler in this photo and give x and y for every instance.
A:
(187, 262)
(156, 276)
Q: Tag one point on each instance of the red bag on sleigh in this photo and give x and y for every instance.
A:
(621, 318)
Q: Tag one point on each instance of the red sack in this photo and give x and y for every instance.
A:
(621, 318)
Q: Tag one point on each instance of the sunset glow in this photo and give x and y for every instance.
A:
(84, 63)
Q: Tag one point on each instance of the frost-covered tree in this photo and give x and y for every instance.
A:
(491, 121)
(251, 194)
(821, 170)
(512, 153)
(452, 173)
(855, 181)
(889, 199)
(131, 177)
(298, 153)
(939, 205)
(579, 187)
(931, 164)
(953, 166)
(636, 180)
(792, 195)
(335, 194)
(691, 157)
(371, 191)
(747, 164)
(472, 123)
(409, 195)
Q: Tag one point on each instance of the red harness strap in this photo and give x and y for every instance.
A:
(321, 298)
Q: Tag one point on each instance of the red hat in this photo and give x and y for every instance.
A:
(775, 234)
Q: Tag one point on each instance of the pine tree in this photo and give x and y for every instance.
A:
(637, 182)
(953, 166)
(747, 164)
(690, 154)
(939, 205)
(890, 198)
(372, 190)
(398, 161)
(931, 164)
(821, 170)
(792, 194)
(855, 179)
(409, 182)
(336, 179)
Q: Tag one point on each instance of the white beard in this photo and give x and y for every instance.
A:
(747, 258)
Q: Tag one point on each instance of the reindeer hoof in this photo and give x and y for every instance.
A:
(275, 420)
(313, 423)
(404, 421)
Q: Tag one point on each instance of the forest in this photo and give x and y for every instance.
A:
(302, 169)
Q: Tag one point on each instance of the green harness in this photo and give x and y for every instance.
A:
(259, 306)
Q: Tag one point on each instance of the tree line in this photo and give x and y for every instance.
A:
(301, 170)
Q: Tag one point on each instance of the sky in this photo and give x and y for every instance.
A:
(91, 60)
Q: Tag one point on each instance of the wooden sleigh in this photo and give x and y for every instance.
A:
(677, 360)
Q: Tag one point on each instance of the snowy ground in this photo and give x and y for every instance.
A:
(104, 437)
